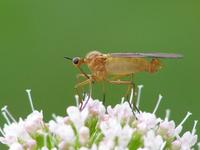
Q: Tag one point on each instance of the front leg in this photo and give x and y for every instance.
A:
(81, 85)
(79, 76)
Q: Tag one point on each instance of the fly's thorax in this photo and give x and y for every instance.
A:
(91, 54)
(96, 63)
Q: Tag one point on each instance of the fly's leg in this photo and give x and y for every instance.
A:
(80, 100)
(81, 75)
(130, 84)
(80, 85)
(103, 86)
(104, 93)
(119, 82)
(89, 95)
(134, 94)
(117, 77)
(132, 102)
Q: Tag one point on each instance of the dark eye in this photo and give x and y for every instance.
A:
(75, 60)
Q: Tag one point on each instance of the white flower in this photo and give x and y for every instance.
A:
(167, 129)
(30, 144)
(84, 135)
(122, 112)
(76, 116)
(64, 146)
(110, 128)
(14, 132)
(94, 147)
(146, 121)
(34, 122)
(125, 136)
(113, 130)
(152, 141)
(176, 145)
(16, 146)
(65, 132)
(96, 108)
(54, 124)
(84, 148)
(106, 145)
(91, 127)
(44, 148)
(188, 140)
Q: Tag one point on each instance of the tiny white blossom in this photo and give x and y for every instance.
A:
(54, 124)
(16, 146)
(34, 121)
(64, 146)
(84, 135)
(125, 136)
(167, 129)
(31, 144)
(62, 120)
(187, 140)
(94, 147)
(122, 112)
(14, 132)
(44, 148)
(106, 145)
(65, 132)
(96, 108)
(76, 116)
(84, 148)
(112, 130)
(146, 121)
(176, 145)
(152, 141)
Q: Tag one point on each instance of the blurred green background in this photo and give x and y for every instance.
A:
(35, 35)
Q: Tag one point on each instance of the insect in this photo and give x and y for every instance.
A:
(112, 67)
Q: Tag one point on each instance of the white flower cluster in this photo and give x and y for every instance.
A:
(96, 127)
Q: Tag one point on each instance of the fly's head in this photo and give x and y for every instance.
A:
(76, 61)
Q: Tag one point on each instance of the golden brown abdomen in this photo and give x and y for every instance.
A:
(125, 66)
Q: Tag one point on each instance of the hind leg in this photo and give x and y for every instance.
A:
(130, 86)
(133, 94)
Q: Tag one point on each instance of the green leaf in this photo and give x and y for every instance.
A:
(135, 142)
(91, 123)
(77, 143)
(40, 140)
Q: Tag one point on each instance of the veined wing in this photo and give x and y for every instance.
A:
(150, 55)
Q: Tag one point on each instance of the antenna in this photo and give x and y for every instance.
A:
(68, 58)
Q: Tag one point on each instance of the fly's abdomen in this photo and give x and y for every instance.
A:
(124, 66)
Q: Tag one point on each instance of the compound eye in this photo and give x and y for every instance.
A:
(76, 60)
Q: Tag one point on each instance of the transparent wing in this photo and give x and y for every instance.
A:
(150, 55)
